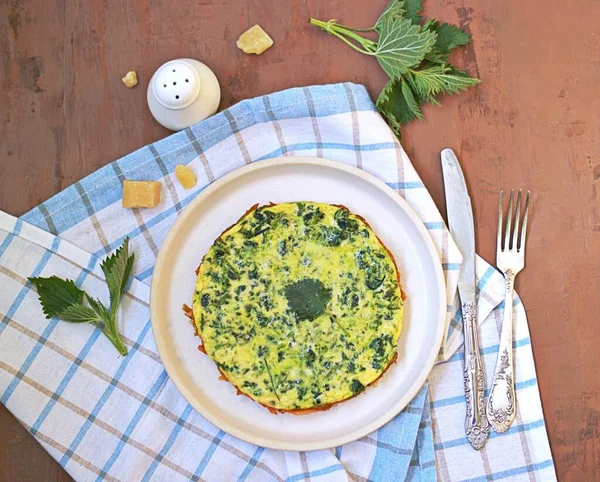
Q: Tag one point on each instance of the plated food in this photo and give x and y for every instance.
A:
(299, 305)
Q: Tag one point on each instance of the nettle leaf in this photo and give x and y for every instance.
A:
(398, 103)
(436, 79)
(79, 314)
(413, 8)
(63, 299)
(456, 80)
(97, 306)
(56, 294)
(116, 269)
(411, 101)
(307, 298)
(394, 9)
(427, 81)
(402, 8)
(448, 37)
(402, 45)
(414, 56)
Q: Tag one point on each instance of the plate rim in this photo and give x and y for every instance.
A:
(222, 422)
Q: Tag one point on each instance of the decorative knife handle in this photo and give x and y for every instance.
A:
(502, 402)
(477, 426)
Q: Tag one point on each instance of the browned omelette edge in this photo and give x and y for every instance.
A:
(188, 311)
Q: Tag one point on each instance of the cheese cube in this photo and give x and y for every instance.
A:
(254, 41)
(141, 194)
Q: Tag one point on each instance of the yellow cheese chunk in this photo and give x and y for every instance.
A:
(254, 41)
(185, 176)
(141, 194)
(130, 80)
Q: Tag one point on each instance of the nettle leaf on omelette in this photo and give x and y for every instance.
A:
(307, 298)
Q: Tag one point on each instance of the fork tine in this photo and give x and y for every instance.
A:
(515, 235)
(524, 229)
(509, 221)
(499, 241)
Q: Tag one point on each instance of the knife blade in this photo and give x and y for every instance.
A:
(460, 221)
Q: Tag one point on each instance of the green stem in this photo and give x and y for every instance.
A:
(340, 325)
(118, 344)
(347, 42)
(271, 378)
(365, 42)
(113, 336)
(342, 32)
(370, 29)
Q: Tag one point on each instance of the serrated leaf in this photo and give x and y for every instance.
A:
(411, 101)
(413, 8)
(457, 80)
(395, 8)
(435, 79)
(116, 269)
(402, 45)
(79, 314)
(427, 82)
(99, 308)
(56, 294)
(63, 299)
(448, 37)
(392, 103)
(307, 298)
(402, 8)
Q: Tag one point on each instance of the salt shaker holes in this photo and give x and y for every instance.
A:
(183, 92)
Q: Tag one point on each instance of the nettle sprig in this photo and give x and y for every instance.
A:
(63, 299)
(414, 53)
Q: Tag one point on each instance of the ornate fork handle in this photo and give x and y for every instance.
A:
(476, 424)
(502, 402)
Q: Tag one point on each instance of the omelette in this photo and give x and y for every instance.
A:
(299, 305)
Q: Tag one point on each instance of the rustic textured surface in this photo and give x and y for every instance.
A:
(534, 122)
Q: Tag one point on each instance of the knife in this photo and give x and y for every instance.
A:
(460, 220)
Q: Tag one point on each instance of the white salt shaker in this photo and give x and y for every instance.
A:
(183, 92)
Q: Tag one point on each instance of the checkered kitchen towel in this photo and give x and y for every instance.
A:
(105, 417)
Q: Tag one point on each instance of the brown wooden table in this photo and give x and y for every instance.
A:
(534, 122)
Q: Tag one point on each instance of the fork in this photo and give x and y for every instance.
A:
(510, 259)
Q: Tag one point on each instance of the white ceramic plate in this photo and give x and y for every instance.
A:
(296, 179)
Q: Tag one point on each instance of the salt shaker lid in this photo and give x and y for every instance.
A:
(183, 92)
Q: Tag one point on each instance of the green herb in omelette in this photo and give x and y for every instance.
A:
(413, 54)
(63, 299)
(307, 298)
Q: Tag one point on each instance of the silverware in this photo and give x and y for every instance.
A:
(502, 402)
(460, 220)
